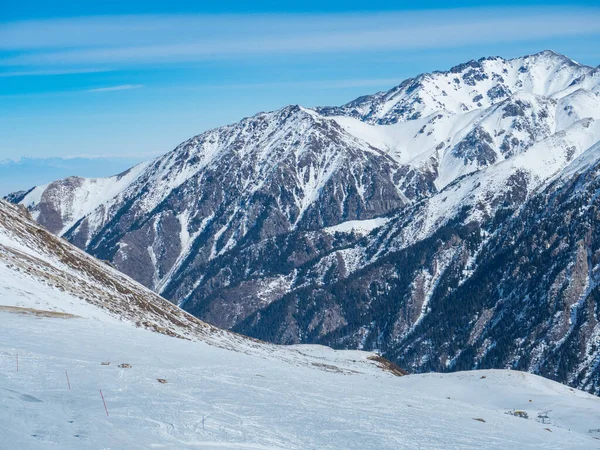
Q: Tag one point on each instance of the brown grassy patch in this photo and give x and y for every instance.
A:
(36, 312)
(388, 366)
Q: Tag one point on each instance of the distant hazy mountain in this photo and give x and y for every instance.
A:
(448, 222)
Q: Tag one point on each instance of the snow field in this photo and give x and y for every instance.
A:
(254, 401)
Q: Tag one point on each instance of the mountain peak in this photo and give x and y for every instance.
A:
(466, 87)
(551, 55)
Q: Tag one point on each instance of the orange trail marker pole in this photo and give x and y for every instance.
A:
(104, 401)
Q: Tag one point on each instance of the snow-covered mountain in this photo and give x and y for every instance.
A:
(471, 86)
(477, 114)
(58, 205)
(355, 226)
(90, 359)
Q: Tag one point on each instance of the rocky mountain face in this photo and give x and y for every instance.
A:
(517, 290)
(446, 223)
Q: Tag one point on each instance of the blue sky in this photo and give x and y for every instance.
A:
(133, 79)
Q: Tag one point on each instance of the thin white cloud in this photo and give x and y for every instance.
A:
(49, 72)
(127, 40)
(316, 84)
(122, 87)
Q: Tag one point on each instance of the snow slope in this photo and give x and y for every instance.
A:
(216, 398)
